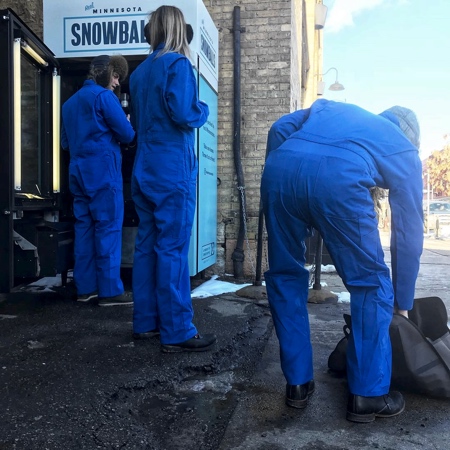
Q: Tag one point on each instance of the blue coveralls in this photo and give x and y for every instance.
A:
(165, 111)
(93, 124)
(321, 163)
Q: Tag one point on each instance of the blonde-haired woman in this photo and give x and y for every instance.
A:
(165, 112)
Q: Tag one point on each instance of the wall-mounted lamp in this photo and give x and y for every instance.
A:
(56, 103)
(336, 86)
(17, 116)
(320, 15)
(38, 58)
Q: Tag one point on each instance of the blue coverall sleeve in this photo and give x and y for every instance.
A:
(181, 96)
(114, 116)
(284, 127)
(405, 199)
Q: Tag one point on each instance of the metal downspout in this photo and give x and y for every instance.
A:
(238, 253)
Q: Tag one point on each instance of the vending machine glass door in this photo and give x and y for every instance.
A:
(31, 126)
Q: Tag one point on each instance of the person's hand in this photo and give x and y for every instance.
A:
(128, 117)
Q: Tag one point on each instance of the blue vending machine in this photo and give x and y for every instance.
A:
(84, 29)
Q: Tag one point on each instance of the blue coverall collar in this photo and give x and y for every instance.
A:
(159, 47)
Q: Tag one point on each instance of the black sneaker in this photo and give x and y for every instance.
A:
(297, 394)
(198, 343)
(86, 297)
(122, 299)
(366, 409)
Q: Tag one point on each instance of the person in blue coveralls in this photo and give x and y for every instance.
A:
(93, 127)
(165, 110)
(321, 166)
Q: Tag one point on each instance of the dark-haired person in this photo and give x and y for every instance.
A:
(165, 111)
(322, 164)
(93, 127)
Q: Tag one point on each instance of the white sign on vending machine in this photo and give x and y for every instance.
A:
(90, 28)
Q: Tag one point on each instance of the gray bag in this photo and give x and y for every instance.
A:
(420, 349)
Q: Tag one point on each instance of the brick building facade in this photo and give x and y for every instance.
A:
(280, 50)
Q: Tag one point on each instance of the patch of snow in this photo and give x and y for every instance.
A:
(215, 287)
(343, 297)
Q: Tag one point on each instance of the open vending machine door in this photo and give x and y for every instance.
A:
(36, 239)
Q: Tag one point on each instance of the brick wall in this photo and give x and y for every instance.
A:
(265, 96)
(30, 11)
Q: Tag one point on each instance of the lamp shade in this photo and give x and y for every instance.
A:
(321, 15)
(336, 86)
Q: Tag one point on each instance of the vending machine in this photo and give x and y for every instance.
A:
(36, 221)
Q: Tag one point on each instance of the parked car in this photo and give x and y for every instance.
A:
(438, 212)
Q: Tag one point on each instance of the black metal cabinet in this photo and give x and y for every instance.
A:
(30, 193)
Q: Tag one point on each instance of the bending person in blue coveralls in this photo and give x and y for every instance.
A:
(322, 163)
(165, 110)
(93, 126)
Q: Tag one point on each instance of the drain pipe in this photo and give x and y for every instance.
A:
(238, 253)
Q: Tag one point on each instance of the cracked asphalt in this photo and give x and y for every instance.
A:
(72, 377)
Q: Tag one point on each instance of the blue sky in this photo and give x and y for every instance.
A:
(392, 52)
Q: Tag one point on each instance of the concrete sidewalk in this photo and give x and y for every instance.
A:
(262, 421)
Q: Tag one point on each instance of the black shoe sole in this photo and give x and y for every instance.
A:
(173, 348)
(167, 348)
(367, 418)
(115, 304)
(88, 299)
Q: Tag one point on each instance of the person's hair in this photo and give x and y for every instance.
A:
(189, 33)
(167, 26)
(104, 66)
